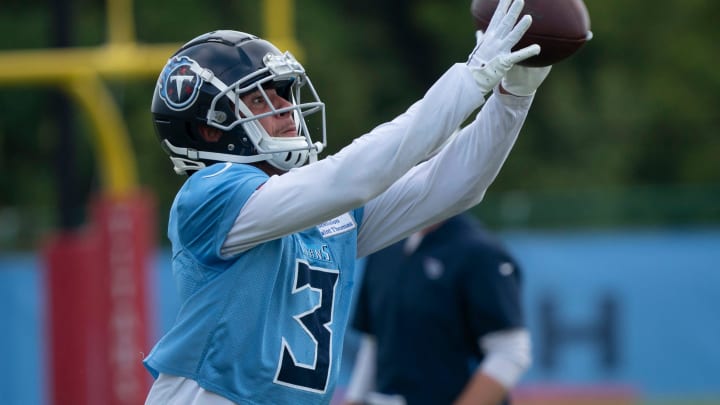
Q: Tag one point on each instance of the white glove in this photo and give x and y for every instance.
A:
(524, 81)
(492, 56)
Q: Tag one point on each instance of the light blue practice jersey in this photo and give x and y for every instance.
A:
(264, 326)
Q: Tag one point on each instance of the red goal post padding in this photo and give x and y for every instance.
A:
(98, 329)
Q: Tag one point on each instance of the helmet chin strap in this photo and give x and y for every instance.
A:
(191, 158)
(289, 160)
(292, 152)
(182, 166)
(194, 155)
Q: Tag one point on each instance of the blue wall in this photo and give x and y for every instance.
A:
(664, 291)
(632, 309)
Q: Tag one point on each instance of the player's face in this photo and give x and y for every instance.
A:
(279, 125)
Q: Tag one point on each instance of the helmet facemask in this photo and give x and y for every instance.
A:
(288, 77)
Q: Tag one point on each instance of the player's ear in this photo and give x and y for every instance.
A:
(209, 134)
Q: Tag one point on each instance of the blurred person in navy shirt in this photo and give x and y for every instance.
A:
(441, 318)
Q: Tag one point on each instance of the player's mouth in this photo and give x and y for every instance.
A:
(288, 131)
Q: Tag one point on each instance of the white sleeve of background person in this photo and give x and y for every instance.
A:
(323, 190)
(362, 380)
(452, 181)
(507, 356)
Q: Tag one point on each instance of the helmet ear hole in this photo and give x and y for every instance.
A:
(209, 134)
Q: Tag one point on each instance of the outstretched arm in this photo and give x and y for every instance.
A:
(372, 163)
(452, 181)
(360, 171)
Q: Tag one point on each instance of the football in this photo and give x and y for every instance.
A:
(560, 27)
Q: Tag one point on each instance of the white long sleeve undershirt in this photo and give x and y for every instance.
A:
(379, 170)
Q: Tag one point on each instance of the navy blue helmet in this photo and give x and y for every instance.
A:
(202, 83)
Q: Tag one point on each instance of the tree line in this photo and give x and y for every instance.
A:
(625, 132)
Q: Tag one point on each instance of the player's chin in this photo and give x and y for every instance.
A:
(291, 133)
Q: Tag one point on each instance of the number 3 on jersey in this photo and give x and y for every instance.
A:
(316, 323)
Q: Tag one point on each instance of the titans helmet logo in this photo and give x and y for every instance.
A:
(179, 85)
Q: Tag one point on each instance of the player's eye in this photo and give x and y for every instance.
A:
(254, 99)
(257, 103)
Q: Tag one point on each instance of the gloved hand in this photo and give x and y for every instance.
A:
(492, 56)
(524, 81)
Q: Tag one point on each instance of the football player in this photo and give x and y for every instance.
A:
(265, 235)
